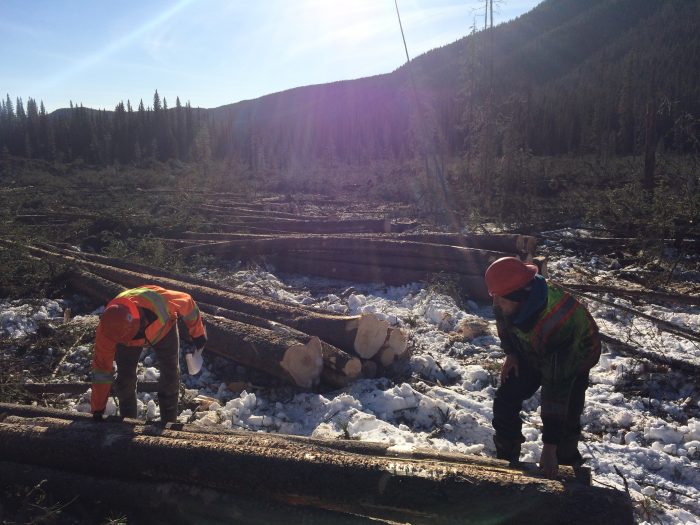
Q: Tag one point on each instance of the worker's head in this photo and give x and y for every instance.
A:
(509, 281)
(120, 321)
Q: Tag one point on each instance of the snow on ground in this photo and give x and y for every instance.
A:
(641, 425)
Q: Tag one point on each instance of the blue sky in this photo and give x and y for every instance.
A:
(214, 52)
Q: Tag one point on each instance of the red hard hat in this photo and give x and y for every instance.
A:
(508, 274)
(120, 321)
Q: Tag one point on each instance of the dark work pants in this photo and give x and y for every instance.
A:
(508, 425)
(168, 355)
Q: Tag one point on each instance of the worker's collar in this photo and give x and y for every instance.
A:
(533, 304)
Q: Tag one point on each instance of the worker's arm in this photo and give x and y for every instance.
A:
(102, 372)
(189, 312)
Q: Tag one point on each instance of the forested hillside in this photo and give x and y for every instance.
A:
(601, 92)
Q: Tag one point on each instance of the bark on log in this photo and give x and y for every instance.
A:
(97, 499)
(73, 388)
(502, 242)
(471, 285)
(236, 211)
(472, 261)
(389, 261)
(340, 331)
(654, 357)
(307, 226)
(509, 243)
(339, 367)
(649, 295)
(448, 490)
(298, 361)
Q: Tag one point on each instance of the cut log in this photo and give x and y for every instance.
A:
(472, 286)
(508, 243)
(307, 226)
(655, 357)
(101, 498)
(388, 261)
(308, 473)
(371, 335)
(394, 349)
(472, 261)
(238, 211)
(502, 242)
(74, 388)
(649, 295)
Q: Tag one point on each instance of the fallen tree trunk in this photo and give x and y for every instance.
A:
(97, 499)
(655, 357)
(234, 211)
(339, 367)
(308, 226)
(472, 261)
(471, 285)
(634, 292)
(73, 388)
(291, 471)
(297, 360)
(523, 245)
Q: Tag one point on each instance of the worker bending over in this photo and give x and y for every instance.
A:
(550, 340)
(142, 316)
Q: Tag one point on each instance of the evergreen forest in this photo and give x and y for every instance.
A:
(575, 110)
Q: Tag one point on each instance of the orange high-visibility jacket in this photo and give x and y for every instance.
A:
(167, 305)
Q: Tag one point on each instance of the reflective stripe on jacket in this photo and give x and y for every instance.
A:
(168, 306)
(562, 344)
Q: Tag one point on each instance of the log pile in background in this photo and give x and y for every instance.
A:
(360, 479)
(392, 260)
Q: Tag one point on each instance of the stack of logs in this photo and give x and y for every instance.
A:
(392, 259)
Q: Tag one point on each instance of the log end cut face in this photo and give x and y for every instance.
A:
(395, 347)
(304, 362)
(372, 333)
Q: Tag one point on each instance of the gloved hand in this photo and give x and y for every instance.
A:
(200, 342)
(97, 416)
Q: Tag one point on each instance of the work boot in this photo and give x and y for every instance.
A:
(507, 450)
(568, 454)
(127, 406)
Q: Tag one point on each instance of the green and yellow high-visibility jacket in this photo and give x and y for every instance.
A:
(562, 343)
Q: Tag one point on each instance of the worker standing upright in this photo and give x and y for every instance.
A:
(550, 340)
(142, 316)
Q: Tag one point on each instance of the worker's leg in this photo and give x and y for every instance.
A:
(506, 411)
(168, 355)
(567, 451)
(127, 358)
